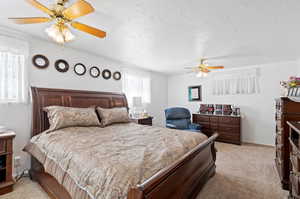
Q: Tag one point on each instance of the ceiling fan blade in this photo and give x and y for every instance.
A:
(78, 9)
(30, 20)
(88, 29)
(215, 67)
(41, 7)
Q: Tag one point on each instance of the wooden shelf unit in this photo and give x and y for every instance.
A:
(294, 141)
(286, 110)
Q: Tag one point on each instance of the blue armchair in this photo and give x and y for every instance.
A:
(180, 118)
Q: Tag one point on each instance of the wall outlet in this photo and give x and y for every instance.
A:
(17, 162)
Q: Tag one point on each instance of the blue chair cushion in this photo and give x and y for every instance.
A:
(179, 123)
(177, 113)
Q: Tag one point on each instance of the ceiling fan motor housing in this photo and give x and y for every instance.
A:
(61, 2)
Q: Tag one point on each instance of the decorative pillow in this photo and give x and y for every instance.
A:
(62, 117)
(113, 115)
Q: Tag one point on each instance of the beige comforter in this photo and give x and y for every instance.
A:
(103, 163)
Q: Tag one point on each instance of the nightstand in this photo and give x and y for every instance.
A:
(6, 157)
(143, 121)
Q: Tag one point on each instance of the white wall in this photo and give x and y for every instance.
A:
(18, 116)
(258, 123)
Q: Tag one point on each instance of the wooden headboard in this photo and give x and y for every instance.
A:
(43, 97)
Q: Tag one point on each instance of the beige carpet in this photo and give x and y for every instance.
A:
(243, 172)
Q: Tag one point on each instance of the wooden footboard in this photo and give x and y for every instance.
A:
(184, 178)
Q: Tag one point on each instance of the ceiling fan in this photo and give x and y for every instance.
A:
(63, 18)
(203, 69)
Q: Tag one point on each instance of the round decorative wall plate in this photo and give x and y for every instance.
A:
(117, 75)
(40, 61)
(106, 74)
(94, 72)
(61, 65)
(80, 69)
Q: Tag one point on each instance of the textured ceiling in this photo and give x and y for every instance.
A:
(165, 35)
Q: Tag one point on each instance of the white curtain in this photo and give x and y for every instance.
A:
(13, 73)
(234, 82)
(137, 84)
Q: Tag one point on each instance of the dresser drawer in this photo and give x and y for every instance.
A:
(225, 136)
(279, 123)
(279, 151)
(279, 166)
(295, 162)
(279, 139)
(229, 120)
(214, 127)
(278, 116)
(147, 121)
(200, 118)
(204, 124)
(3, 146)
(214, 119)
(229, 129)
(294, 180)
(279, 130)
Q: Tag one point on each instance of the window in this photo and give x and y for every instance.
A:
(137, 84)
(236, 82)
(13, 74)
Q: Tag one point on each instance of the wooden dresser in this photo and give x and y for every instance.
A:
(294, 140)
(286, 110)
(6, 157)
(227, 126)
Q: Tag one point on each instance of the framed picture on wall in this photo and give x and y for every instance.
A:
(195, 93)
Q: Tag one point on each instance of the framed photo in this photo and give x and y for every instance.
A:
(195, 93)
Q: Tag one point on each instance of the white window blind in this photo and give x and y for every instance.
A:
(137, 84)
(13, 73)
(236, 82)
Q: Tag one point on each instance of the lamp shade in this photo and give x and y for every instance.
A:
(137, 102)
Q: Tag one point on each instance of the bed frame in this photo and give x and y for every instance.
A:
(183, 179)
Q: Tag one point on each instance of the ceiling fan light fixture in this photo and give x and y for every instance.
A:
(201, 74)
(52, 31)
(60, 33)
(67, 34)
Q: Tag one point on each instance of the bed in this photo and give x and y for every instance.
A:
(182, 178)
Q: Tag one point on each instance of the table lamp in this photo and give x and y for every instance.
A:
(137, 107)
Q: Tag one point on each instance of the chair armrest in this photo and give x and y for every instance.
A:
(195, 126)
(172, 126)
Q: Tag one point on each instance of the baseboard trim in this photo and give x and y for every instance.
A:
(255, 144)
